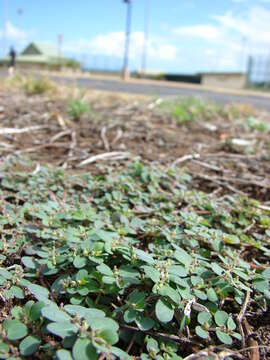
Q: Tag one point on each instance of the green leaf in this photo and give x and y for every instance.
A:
(144, 323)
(183, 257)
(29, 262)
(171, 293)
(35, 311)
(201, 332)
(221, 317)
(231, 324)
(17, 292)
(130, 316)
(137, 299)
(237, 336)
(204, 317)
(102, 324)
(217, 269)
(54, 314)
(38, 291)
(29, 345)
(266, 273)
(177, 270)
(4, 350)
(15, 329)
(63, 355)
(84, 350)
(164, 311)
(211, 294)
(62, 329)
(89, 314)
(223, 337)
(152, 345)
(144, 256)
(200, 294)
(6, 274)
(111, 337)
(105, 270)
(79, 262)
(231, 239)
(151, 273)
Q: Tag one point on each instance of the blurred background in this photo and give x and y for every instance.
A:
(198, 41)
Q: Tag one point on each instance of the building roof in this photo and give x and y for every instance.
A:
(45, 49)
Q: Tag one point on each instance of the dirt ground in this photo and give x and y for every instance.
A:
(223, 153)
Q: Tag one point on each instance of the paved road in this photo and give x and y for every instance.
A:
(157, 90)
(164, 90)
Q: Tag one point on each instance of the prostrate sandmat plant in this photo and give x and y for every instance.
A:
(131, 264)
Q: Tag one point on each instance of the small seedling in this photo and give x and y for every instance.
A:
(77, 108)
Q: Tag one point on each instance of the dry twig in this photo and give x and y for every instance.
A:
(185, 158)
(104, 138)
(114, 155)
(10, 131)
(241, 316)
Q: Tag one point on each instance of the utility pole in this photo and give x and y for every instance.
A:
(60, 40)
(146, 35)
(20, 12)
(125, 72)
(4, 38)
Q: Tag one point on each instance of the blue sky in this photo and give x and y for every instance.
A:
(185, 35)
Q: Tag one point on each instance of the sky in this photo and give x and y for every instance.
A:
(185, 36)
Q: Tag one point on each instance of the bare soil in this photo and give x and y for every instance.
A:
(139, 128)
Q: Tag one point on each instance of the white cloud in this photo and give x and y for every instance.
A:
(112, 45)
(206, 32)
(229, 38)
(253, 25)
(14, 36)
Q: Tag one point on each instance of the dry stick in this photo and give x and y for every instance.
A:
(200, 355)
(185, 158)
(249, 227)
(165, 336)
(263, 207)
(38, 147)
(72, 144)
(218, 182)
(241, 315)
(71, 148)
(6, 146)
(253, 344)
(104, 138)
(37, 169)
(6, 131)
(233, 156)
(207, 166)
(59, 135)
(114, 155)
(243, 182)
(131, 343)
(118, 136)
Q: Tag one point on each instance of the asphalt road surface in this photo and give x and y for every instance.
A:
(164, 90)
(259, 102)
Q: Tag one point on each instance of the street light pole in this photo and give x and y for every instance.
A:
(4, 38)
(125, 73)
(60, 41)
(146, 35)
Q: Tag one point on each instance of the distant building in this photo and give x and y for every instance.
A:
(228, 80)
(42, 56)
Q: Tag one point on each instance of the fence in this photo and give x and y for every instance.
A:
(258, 72)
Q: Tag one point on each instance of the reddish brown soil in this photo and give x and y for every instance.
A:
(145, 131)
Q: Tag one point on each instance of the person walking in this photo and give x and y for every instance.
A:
(12, 61)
